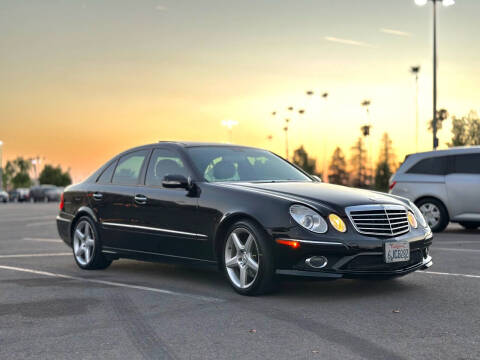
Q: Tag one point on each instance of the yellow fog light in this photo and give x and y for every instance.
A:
(412, 221)
(337, 223)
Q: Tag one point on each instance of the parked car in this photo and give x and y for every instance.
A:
(3, 196)
(39, 193)
(444, 184)
(54, 194)
(245, 210)
(19, 195)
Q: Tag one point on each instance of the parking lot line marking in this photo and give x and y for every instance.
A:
(41, 223)
(112, 283)
(22, 219)
(33, 255)
(453, 249)
(42, 240)
(450, 274)
(456, 242)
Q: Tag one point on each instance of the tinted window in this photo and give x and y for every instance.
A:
(217, 163)
(431, 166)
(128, 168)
(164, 162)
(107, 174)
(467, 164)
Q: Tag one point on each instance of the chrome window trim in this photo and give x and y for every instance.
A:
(371, 207)
(154, 229)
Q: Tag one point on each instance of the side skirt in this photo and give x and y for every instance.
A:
(117, 253)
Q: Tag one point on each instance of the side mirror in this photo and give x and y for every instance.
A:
(176, 182)
(316, 178)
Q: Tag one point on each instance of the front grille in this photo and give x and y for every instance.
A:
(383, 220)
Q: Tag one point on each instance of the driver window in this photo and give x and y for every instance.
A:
(164, 162)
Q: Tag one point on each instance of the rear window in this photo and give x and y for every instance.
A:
(106, 176)
(430, 166)
(128, 169)
(467, 164)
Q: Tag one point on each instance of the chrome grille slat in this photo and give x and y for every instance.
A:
(379, 219)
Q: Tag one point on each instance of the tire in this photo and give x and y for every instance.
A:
(87, 247)
(431, 209)
(236, 260)
(470, 225)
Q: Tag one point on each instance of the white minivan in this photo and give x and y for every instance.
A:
(444, 184)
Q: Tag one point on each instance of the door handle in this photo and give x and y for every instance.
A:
(97, 196)
(140, 199)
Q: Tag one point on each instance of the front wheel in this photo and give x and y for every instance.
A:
(248, 259)
(435, 213)
(87, 249)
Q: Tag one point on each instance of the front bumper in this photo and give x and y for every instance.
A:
(353, 260)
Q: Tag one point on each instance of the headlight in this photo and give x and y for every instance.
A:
(308, 219)
(418, 214)
(411, 220)
(337, 222)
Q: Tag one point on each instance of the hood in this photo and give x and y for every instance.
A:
(335, 197)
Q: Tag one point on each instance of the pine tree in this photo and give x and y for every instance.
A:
(358, 163)
(301, 159)
(338, 168)
(386, 164)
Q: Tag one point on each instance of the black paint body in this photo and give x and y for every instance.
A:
(196, 220)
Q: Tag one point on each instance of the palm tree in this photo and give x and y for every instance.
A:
(415, 70)
(366, 104)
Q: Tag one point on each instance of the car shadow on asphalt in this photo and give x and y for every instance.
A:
(456, 229)
(207, 279)
(347, 289)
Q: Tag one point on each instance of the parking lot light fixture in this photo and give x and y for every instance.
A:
(229, 124)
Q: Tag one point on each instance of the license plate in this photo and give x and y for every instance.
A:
(397, 251)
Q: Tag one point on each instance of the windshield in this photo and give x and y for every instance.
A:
(222, 163)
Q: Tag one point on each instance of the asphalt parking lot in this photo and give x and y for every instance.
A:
(49, 309)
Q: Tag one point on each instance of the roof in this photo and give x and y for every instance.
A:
(198, 143)
(450, 151)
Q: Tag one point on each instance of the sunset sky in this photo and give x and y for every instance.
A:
(83, 80)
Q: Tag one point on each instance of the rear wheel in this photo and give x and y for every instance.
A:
(87, 249)
(248, 259)
(470, 225)
(434, 213)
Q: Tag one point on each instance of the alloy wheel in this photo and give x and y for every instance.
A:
(83, 242)
(242, 258)
(432, 214)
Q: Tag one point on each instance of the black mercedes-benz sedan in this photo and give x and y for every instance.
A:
(245, 210)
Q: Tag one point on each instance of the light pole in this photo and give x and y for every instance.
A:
(229, 124)
(1, 166)
(324, 96)
(415, 70)
(445, 3)
(286, 137)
